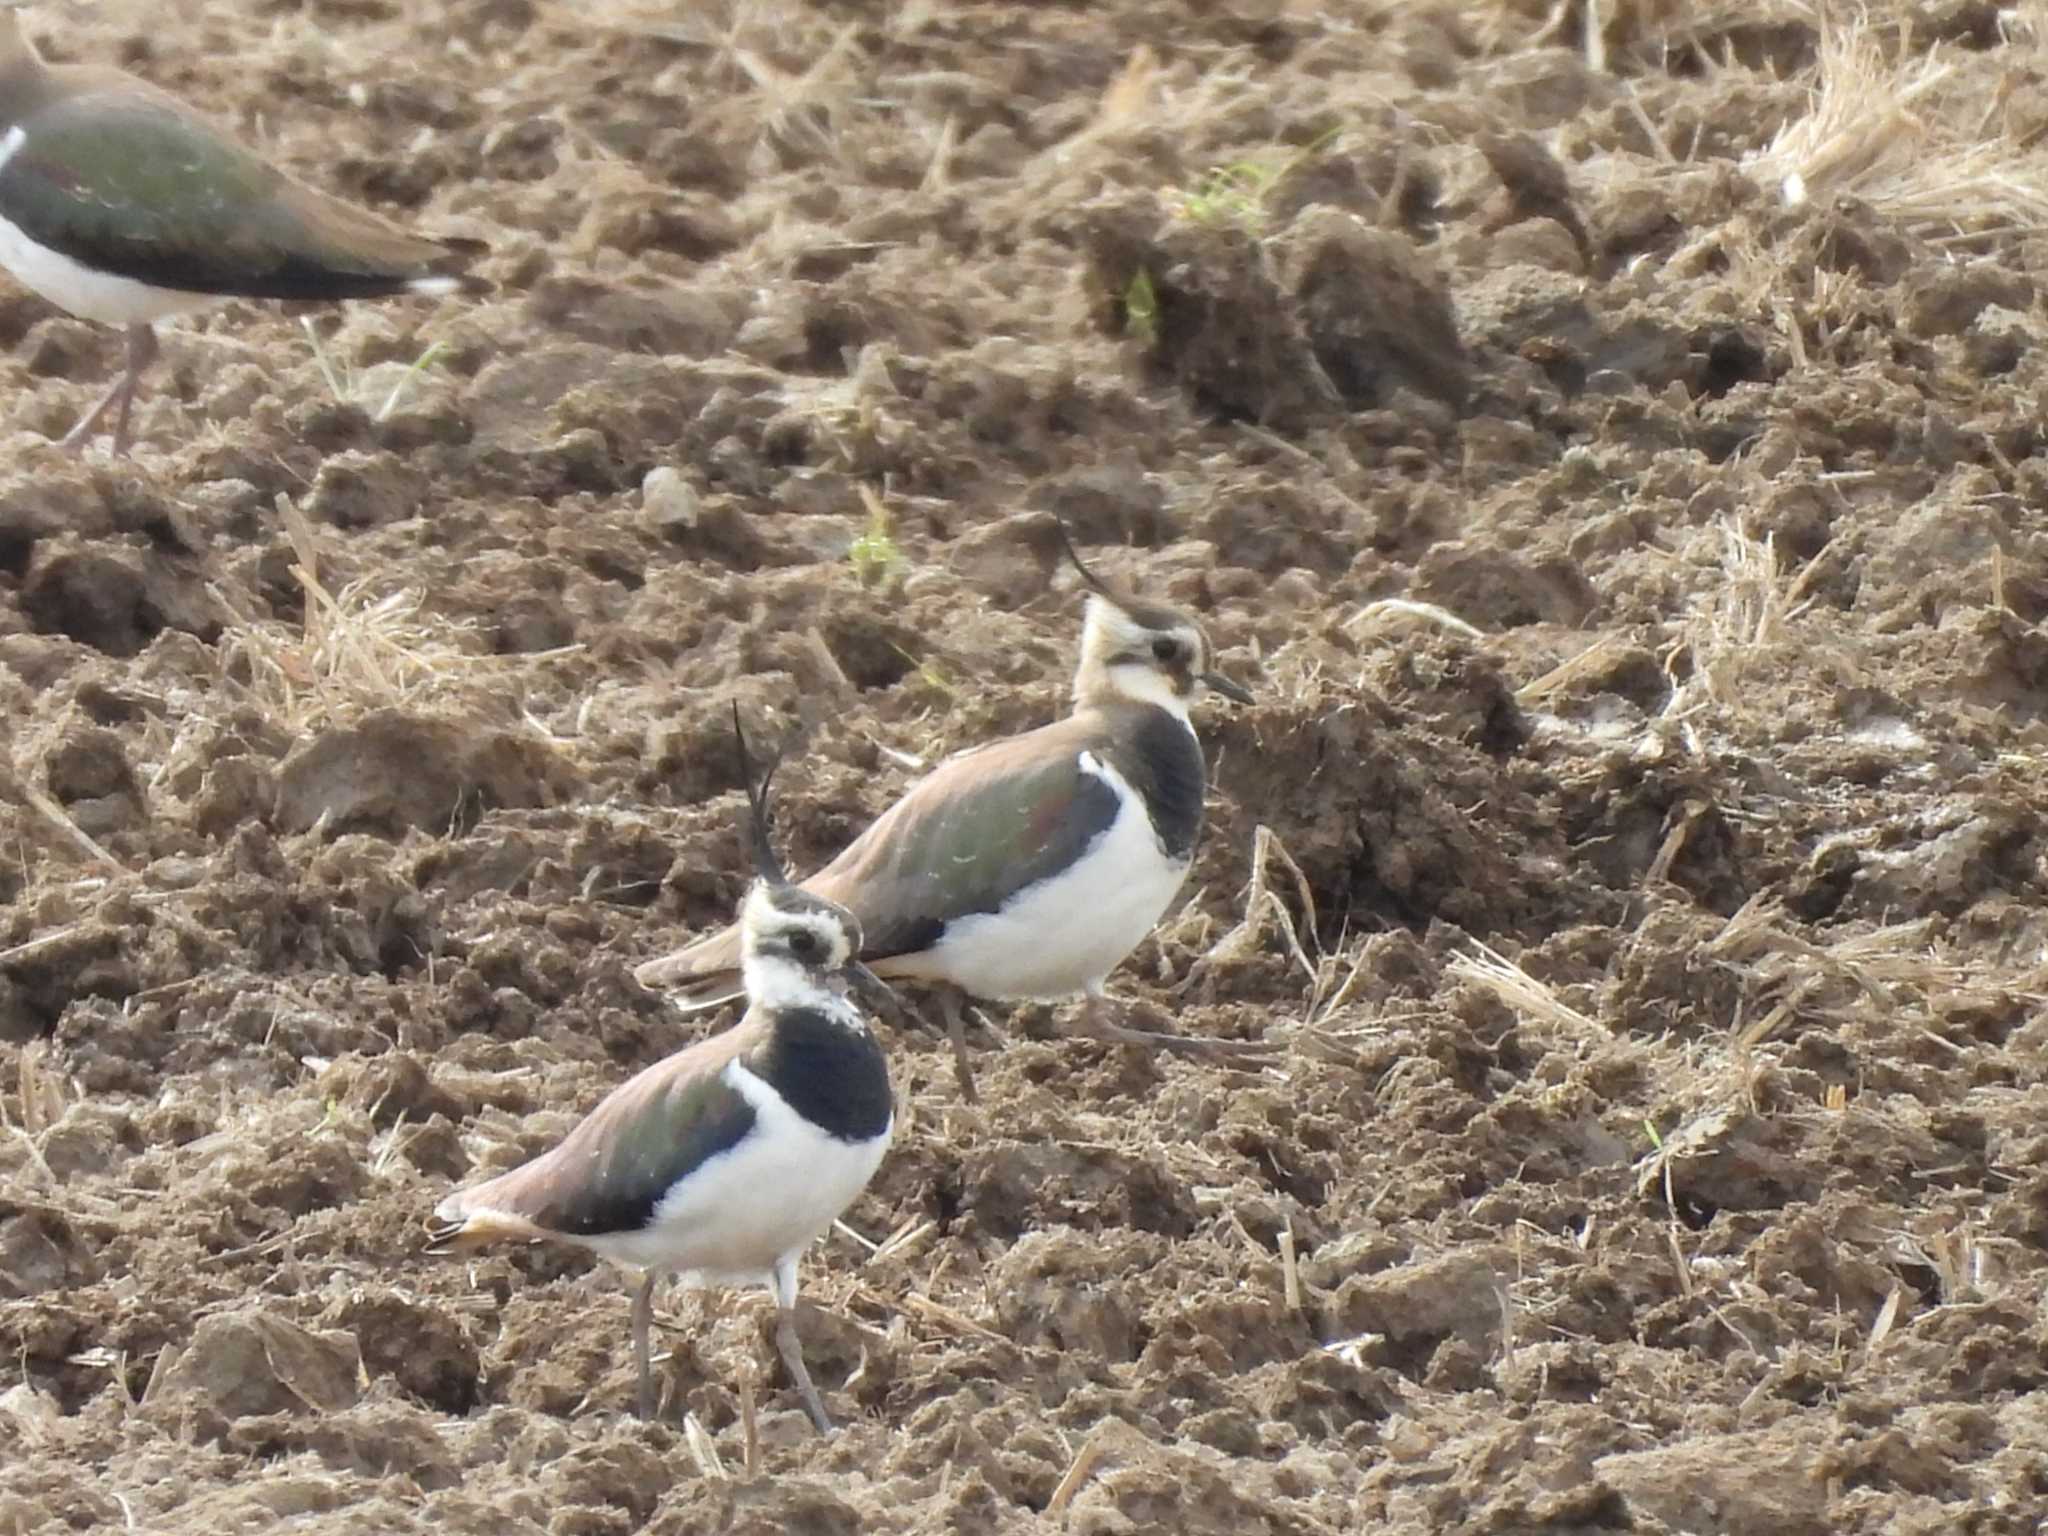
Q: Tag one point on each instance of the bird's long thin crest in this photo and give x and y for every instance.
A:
(766, 865)
(1095, 582)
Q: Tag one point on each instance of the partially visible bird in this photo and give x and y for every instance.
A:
(1029, 867)
(120, 204)
(727, 1160)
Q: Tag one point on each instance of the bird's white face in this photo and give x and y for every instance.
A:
(795, 947)
(790, 924)
(1146, 653)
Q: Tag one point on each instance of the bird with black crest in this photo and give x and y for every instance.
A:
(1030, 867)
(724, 1162)
(120, 204)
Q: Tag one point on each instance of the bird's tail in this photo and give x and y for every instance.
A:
(457, 1228)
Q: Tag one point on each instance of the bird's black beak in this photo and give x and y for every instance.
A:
(1230, 688)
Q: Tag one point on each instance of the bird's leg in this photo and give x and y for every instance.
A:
(643, 1355)
(1095, 1023)
(791, 1348)
(956, 1031)
(792, 1351)
(142, 351)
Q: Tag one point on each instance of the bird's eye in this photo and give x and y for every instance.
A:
(1166, 648)
(804, 944)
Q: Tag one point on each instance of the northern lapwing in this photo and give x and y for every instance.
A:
(1031, 866)
(120, 204)
(727, 1160)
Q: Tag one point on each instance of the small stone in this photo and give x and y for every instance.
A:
(668, 500)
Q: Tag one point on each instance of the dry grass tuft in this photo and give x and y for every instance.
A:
(1530, 999)
(1605, 32)
(1905, 132)
(360, 649)
(1263, 908)
(802, 82)
(1146, 98)
(1750, 610)
(1896, 973)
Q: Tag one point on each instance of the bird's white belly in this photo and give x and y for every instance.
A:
(90, 295)
(1067, 934)
(736, 1216)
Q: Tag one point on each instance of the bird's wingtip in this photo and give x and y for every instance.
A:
(661, 972)
(448, 273)
(447, 1223)
(691, 977)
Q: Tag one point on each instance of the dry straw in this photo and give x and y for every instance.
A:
(1907, 132)
(1530, 999)
(359, 649)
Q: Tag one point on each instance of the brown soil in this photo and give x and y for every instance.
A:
(1659, 1133)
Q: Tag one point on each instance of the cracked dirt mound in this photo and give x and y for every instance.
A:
(1637, 843)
